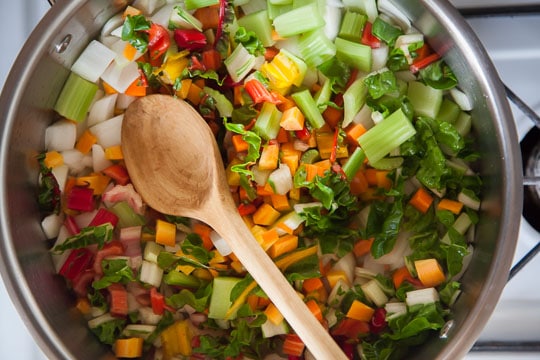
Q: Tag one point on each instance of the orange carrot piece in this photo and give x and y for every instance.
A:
(354, 131)
(183, 92)
(333, 276)
(208, 16)
(239, 143)
(96, 182)
(400, 275)
(114, 153)
(265, 215)
(421, 200)
(450, 205)
(129, 51)
(108, 88)
(265, 190)
(429, 272)
(332, 116)
(312, 284)
(128, 348)
(292, 161)
(360, 311)
(131, 11)
(211, 59)
(359, 183)
(383, 181)
(194, 94)
(280, 202)
(315, 309)
(285, 244)
(165, 233)
(292, 119)
(273, 314)
(293, 345)
(253, 301)
(53, 159)
(282, 136)
(204, 232)
(371, 176)
(269, 157)
(83, 305)
(136, 89)
(85, 142)
(269, 238)
(362, 247)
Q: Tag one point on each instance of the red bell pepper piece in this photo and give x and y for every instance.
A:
(157, 300)
(190, 39)
(118, 173)
(303, 134)
(422, 63)
(104, 216)
(158, 42)
(246, 209)
(368, 38)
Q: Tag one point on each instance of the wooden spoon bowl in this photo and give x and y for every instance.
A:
(175, 165)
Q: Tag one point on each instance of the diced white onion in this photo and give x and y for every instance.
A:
(124, 100)
(148, 7)
(61, 174)
(281, 179)
(109, 132)
(395, 309)
(332, 19)
(221, 245)
(379, 56)
(260, 176)
(347, 265)
(461, 99)
(148, 317)
(151, 273)
(120, 77)
(111, 24)
(61, 135)
(163, 14)
(422, 296)
(60, 258)
(51, 225)
(102, 109)
(74, 159)
(99, 161)
(389, 9)
(93, 61)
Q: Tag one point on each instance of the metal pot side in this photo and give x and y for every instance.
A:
(25, 110)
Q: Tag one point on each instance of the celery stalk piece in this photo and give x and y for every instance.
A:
(280, 2)
(352, 26)
(181, 19)
(387, 135)
(353, 100)
(448, 112)
(223, 105)
(354, 163)
(299, 20)
(309, 108)
(353, 53)
(220, 300)
(274, 10)
(315, 47)
(368, 7)
(260, 24)
(425, 100)
(239, 63)
(267, 123)
(463, 123)
(196, 4)
(76, 97)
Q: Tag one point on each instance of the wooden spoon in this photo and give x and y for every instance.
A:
(175, 165)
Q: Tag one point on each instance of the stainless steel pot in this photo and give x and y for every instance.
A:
(25, 110)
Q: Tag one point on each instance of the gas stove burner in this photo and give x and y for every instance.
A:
(530, 150)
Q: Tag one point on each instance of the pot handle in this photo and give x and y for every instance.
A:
(51, 2)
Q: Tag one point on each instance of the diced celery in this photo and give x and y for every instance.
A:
(196, 4)
(309, 108)
(151, 273)
(280, 2)
(469, 199)
(223, 105)
(426, 101)
(422, 296)
(178, 278)
(260, 24)
(353, 53)
(390, 133)
(374, 293)
(220, 301)
(75, 98)
(352, 26)
(267, 123)
(281, 180)
(275, 10)
(127, 217)
(322, 97)
(354, 163)
(463, 123)
(181, 19)
(299, 20)
(354, 99)
(315, 47)
(388, 163)
(368, 7)
(269, 329)
(151, 251)
(448, 112)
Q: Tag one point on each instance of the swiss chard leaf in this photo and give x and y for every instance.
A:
(114, 271)
(381, 83)
(416, 321)
(93, 235)
(109, 331)
(385, 31)
(198, 299)
(49, 194)
(133, 31)
(249, 40)
(439, 75)
(337, 72)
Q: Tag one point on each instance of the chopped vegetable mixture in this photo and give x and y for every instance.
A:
(348, 149)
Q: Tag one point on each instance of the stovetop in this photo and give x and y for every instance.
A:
(509, 30)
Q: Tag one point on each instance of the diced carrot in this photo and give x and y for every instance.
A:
(253, 302)
(280, 202)
(263, 302)
(402, 274)
(359, 183)
(294, 193)
(429, 272)
(333, 276)
(114, 153)
(165, 233)
(354, 131)
(282, 136)
(53, 159)
(312, 171)
(285, 102)
(239, 143)
(129, 51)
(238, 95)
(269, 238)
(204, 232)
(371, 176)
(273, 314)
(265, 190)
(292, 119)
(265, 215)
(118, 173)
(130, 11)
(332, 116)
(421, 200)
(450, 205)
(85, 142)
(293, 345)
(97, 182)
(208, 16)
(211, 59)
(312, 284)
(269, 157)
(200, 82)
(283, 227)
(128, 348)
(315, 309)
(83, 305)
(194, 94)
(360, 311)
(362, 247)
(183, 91)
(136, 88)
(295, 257)
(324, 165)
(291, 161)
(383, 181)
(238, 267)
(285, 244)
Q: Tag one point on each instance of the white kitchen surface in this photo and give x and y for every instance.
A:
(516, 53)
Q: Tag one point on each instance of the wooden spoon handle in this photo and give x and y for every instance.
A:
(275, 285)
